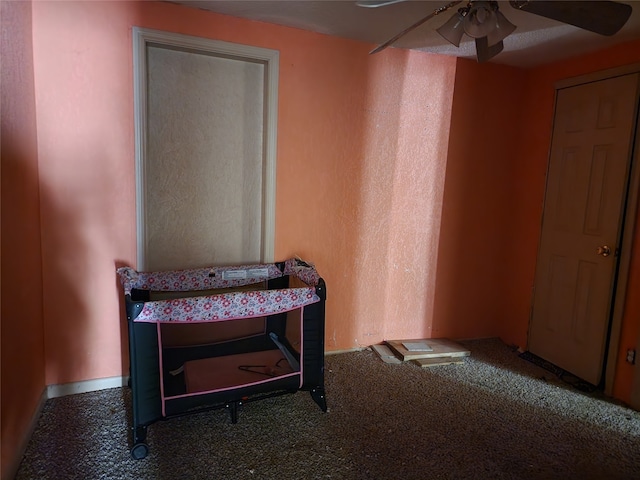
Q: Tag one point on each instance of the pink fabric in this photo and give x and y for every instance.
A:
(223, 306)
(307, 274)
(191, 279)
(227, 306)
(211, 374)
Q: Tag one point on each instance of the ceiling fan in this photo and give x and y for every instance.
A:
(483, 21)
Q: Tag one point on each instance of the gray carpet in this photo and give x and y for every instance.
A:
(496, 416)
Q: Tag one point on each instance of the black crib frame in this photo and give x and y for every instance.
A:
(146, 375)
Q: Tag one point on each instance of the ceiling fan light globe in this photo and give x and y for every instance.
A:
(503, 29)
(480, 20)
(453, 30)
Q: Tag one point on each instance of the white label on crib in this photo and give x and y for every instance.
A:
(234, 274)
(242, 274)
(258, 272)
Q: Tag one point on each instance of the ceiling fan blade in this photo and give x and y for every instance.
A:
(484, 52)
(377, 3)
(603, 17)
(392, 40)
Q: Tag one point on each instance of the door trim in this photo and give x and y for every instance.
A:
(633, 206)
(142, 37)
(629, 221)
(597, 76)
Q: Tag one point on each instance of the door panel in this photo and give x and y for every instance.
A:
(586, 188)
(204, 167)
(205, 132)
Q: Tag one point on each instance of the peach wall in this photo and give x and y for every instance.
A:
(537, 118)
(482, 283)
(362, 148)
(84, 92)
(368, 158)
(362, 154)
(23, 379)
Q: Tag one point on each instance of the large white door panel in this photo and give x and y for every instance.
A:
(206, 129)
(204, 164)
(586, 189)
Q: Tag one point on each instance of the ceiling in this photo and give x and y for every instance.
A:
(536, 41)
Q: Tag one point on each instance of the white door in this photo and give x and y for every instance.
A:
(206, 187)
(586, 189)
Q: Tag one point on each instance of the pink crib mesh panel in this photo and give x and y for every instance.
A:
(210, 374)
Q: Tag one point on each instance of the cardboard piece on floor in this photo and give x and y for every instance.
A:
(433, 362)
(417, 346)
(385, 354)
(441, 347)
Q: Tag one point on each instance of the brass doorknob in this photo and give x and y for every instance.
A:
(604, 250)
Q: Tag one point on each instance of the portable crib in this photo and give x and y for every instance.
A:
(222, 336)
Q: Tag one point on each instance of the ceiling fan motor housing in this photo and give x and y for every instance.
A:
(483, 21)
(480, 19)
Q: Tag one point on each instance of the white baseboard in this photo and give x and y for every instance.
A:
(54, 391)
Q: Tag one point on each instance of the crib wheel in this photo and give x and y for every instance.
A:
(139, 451)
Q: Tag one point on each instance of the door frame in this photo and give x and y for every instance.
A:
(143, 37)
(629, 221)
(634, 201)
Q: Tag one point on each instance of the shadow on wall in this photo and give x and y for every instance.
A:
(67, 290)
(76, 334)
(374, 234)
(44, 308)
(485, 269)
(347, 232)
(85, 131)
(23, 367)
(23, 377)
(320, 168)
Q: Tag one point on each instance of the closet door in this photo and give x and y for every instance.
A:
(204, 165)
(587, 185)
(206, 130)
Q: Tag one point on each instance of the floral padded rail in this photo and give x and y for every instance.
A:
(222, 306)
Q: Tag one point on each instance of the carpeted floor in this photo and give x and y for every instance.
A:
(496, 416)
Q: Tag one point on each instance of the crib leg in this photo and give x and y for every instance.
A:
(140, 448)
(318, 396)
(139, 434)
(233, 410)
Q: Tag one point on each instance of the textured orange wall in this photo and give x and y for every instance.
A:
(22, 332)
(362, 148)
(83, 80)
(537, 122)
(482, 277)
(360, 183)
